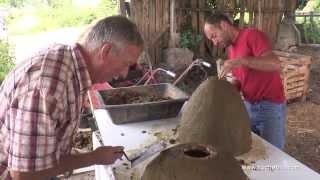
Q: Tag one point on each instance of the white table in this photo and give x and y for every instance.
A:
(266, 161)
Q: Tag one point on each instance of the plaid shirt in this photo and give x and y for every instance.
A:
(40, 106)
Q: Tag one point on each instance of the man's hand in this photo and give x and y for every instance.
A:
(231, 64)
(106, 155)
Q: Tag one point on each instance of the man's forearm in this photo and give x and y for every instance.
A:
(67, 163)
(103, 155)
(268, 62)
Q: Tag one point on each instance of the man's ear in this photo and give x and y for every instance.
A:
(105, 50)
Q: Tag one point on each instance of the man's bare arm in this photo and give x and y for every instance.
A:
(102, 155)
(268, 61)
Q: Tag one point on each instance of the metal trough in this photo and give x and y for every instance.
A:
(128, 113)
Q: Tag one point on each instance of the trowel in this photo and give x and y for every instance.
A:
(150, 151)
(147, 153)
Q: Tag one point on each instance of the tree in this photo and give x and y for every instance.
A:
(302, 3)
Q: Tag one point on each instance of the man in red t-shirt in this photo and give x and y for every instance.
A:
(256, 72)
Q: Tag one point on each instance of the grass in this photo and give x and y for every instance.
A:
(40, 18)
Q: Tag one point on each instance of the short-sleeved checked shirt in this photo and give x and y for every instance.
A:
(40, 104)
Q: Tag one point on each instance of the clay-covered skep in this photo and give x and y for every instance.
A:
(216, 115)
(191, 162)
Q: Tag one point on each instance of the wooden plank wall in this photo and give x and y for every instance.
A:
(270, 14)
(152, 19)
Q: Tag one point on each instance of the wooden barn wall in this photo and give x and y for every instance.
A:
(152, 19)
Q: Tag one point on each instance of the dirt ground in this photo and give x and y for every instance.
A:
(303, 133)
(303, 122)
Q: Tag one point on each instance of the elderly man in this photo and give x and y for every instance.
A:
(41, 100)
(256, 70)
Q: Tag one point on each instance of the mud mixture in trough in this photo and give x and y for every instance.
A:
(131, 97)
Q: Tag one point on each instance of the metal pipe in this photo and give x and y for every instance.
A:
(197, 62)
(172, 74)
(184, 73)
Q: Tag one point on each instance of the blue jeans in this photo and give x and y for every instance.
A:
(268, 120)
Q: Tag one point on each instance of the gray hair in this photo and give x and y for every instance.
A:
(117, 30)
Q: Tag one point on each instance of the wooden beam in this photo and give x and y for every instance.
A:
(228, 10)
(173, 42)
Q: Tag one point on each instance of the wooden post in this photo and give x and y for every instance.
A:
(270, 19)
(311, 18)
(241, 19)
(202, 4)
(122, 8)
(312, 24)
(194, 15)
(251, 12)
(152, 27)
(173, 42)
(259, 25)
(133, 10)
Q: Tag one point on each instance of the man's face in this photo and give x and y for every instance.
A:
(116, 64)
(217, 34)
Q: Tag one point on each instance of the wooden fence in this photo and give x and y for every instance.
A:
(311, 17)
(309, 27)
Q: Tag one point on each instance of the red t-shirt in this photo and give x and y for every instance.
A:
(255, 85)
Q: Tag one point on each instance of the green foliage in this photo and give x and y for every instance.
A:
(21, 3)
(246, 17)
(59, 3)
(189, 38)
(311, 29)
(302, 3)
(311, 26)
(312, 5)
(212, 4)
(312, 33)
(56, 14)
(6, 60)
